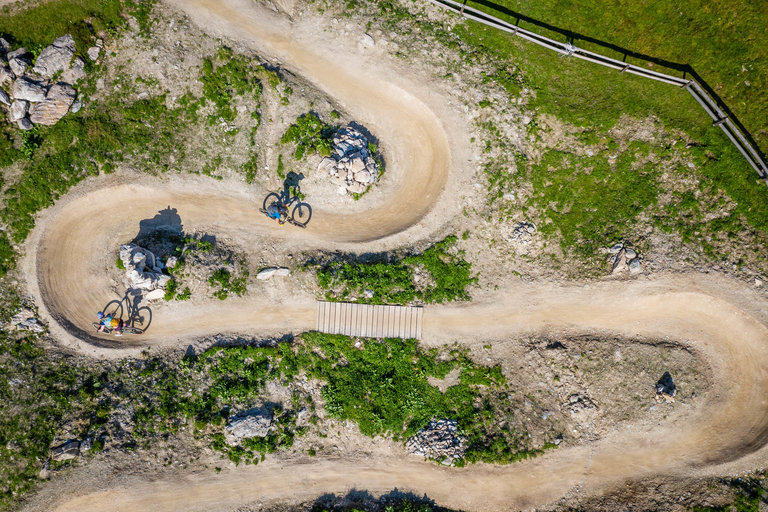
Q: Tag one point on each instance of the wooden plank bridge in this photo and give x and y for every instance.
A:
(369, 321)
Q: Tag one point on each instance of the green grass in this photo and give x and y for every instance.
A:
(225, 77)
(722, 41)
(393, 282)
(310, 135)
(226, 283)
(36, 27)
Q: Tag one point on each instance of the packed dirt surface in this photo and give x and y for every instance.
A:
(719, 318)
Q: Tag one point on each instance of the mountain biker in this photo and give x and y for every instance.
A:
(277, 211)
(113, 323)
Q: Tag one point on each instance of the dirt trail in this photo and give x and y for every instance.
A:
(730, 425)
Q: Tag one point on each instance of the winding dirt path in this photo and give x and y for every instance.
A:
(712, 315)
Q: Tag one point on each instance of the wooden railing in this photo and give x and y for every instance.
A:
(710, 106)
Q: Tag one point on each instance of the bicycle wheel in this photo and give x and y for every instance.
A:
(132, 330)
(271, 198)
(301, 214)
(97, 326)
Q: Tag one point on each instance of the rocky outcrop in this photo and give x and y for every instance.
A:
(351, 165)
(66, 451)
(440, 440)
(624, 260)
(251, 423)
(56, 57)
(29, 95)
(56, 104)
(143, 271)
(25, 320)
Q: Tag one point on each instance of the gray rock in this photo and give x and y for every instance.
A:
(86, 444)
(366, 41)
(4, 47)
(440, 439)
(26, 89)
(25, 124)
(615, 249)
(66, 451)
(18, 52)
(631, 254)
(93, 53)
(619, 262)
(4, 98)
(635, 267)
(19, 109)
(273, 271)
(55, 106)
(76, 106)
(6, 75)
(75, 72)
(18, 66)
(56, 57)
(363, 177)
(252, 423)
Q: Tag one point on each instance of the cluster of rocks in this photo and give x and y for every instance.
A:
(25, 320)
(255, 422)
(522, 232)
(41, 93)
(71, 449)
(624, 259)
(144, 272)
(270, 272)
(666, 388)
(440, 440)
(351, 165)
(577, 402)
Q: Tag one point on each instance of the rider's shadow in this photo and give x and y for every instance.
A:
(291, 182)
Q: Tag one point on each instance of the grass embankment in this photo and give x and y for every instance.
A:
(439, 274)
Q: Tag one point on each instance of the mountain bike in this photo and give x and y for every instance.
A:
(300, 212)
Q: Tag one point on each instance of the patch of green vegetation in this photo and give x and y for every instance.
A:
(119, 264)
(36, 27)
(310, 134)
(383, 387)
(185, 294)
(170, 290)
(444, 277)
(227, 283)
(590, 201)
(225, 77)
(250, 168)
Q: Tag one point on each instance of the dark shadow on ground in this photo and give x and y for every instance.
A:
(394, 500)
(167, 219)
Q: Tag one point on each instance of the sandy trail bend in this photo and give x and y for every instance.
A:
(730, 425)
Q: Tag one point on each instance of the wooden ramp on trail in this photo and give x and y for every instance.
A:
(369, 321)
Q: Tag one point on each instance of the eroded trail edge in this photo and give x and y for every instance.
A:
(731, 425)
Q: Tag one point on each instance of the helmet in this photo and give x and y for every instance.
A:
(100, 315)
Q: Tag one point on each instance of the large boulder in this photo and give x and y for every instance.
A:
(66, 451)
(25, 124)
(29, 90)
(56, 57)
(18, 66)
(18, 52)
(6, 75)
(55, 106)
(252, 423)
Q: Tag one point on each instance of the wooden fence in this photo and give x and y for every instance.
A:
(719, 118)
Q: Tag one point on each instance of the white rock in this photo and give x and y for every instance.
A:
(19, 109)
(6, 75)
(266, 273)
(4, 98)
(363, 177)
(758, 283)
(282, 272)
(366, 41)
(326, 165)
(18, 66)
(252, 423)
(18, 52)
(163, 280)
(93, 53)
(171, 262)
(155, 294)
(76, 106)
(26, 89)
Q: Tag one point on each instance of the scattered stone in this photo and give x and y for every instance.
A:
(24, 124)
(666, 387)
(440, 440)
(351, 164)
(758, 283)
(93, 53)
(4, 98)
(56, 57)
(29, 90)
(522, 232)
(272, 271)
(171, 262)
(367, 41)
(368, 294)
(56, 105)
(251, 423)
(25, 320)
(578, 402)
(19, 109)
(18, 66)
(66, 451)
